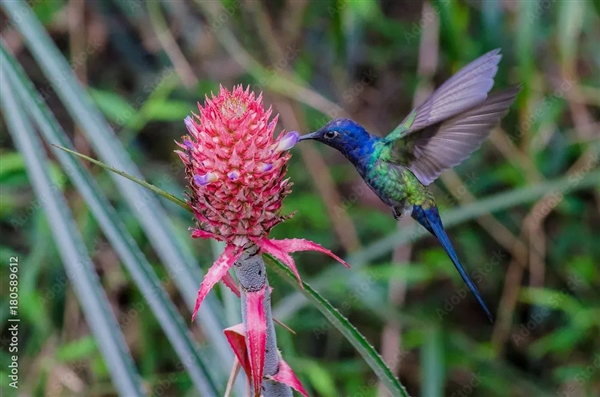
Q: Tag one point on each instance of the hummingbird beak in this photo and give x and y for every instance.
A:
(308, 136)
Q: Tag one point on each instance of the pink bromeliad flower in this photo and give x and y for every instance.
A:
(236, 172)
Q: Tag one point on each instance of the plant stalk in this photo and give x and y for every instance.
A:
(252, 275)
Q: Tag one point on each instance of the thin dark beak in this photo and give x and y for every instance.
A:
(308, 136)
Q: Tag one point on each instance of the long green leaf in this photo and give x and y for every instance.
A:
(175, 255)
(432, 363)
(342, 324)
(143, 183)
(144, 276)
(78, 264)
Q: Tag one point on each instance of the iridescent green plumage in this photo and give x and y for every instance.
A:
(437, 135)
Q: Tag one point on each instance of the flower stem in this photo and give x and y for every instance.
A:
(252, 275)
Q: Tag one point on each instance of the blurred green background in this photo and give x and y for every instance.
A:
(523, 212)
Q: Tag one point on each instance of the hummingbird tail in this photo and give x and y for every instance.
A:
(430, 219)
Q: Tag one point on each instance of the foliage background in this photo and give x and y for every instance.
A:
(145, 64)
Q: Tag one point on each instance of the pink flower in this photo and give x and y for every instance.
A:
(236, 173)
(235, 167)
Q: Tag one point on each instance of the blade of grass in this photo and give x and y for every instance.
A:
(78, 264)
(432, 362)
(177, 257)
(160, 192)
(144, 276)
(360, 343)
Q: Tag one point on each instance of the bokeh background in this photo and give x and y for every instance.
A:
(523, 212)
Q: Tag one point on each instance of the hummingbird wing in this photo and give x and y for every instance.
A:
(462, 91)
(430, 151)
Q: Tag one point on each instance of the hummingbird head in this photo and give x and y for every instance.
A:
(345, 135)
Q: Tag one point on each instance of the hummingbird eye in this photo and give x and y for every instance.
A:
(330, 134)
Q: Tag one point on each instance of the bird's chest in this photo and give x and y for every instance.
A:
(387, 182)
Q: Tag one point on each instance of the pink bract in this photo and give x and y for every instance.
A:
(236, 336)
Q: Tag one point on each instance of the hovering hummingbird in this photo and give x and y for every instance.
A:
(437, 135)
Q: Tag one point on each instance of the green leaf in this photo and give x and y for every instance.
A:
(78, 264)
(46, 10)
(432, 363)
(570, 23)
(77, 349)
(12, 162)
(115, 107)
(321, 380)
(167, 110)
(342, 324)
(527, 27)
(132, 178)
(596, 4)
(561, 341)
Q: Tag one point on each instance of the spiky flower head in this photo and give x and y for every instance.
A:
(236, 174)
(235, 167)
(236, 170)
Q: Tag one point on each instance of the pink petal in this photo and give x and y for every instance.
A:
(230, 282)
(300, 244)
(236, 336)
(287, 376)
(274, 248)
(199, 233)
(216, 273)
(256, 333)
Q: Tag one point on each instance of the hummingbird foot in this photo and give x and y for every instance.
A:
(399, 212)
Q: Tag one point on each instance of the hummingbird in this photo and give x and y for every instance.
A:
(436, 135)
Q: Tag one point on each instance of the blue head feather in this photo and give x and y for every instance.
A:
(348, 137)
